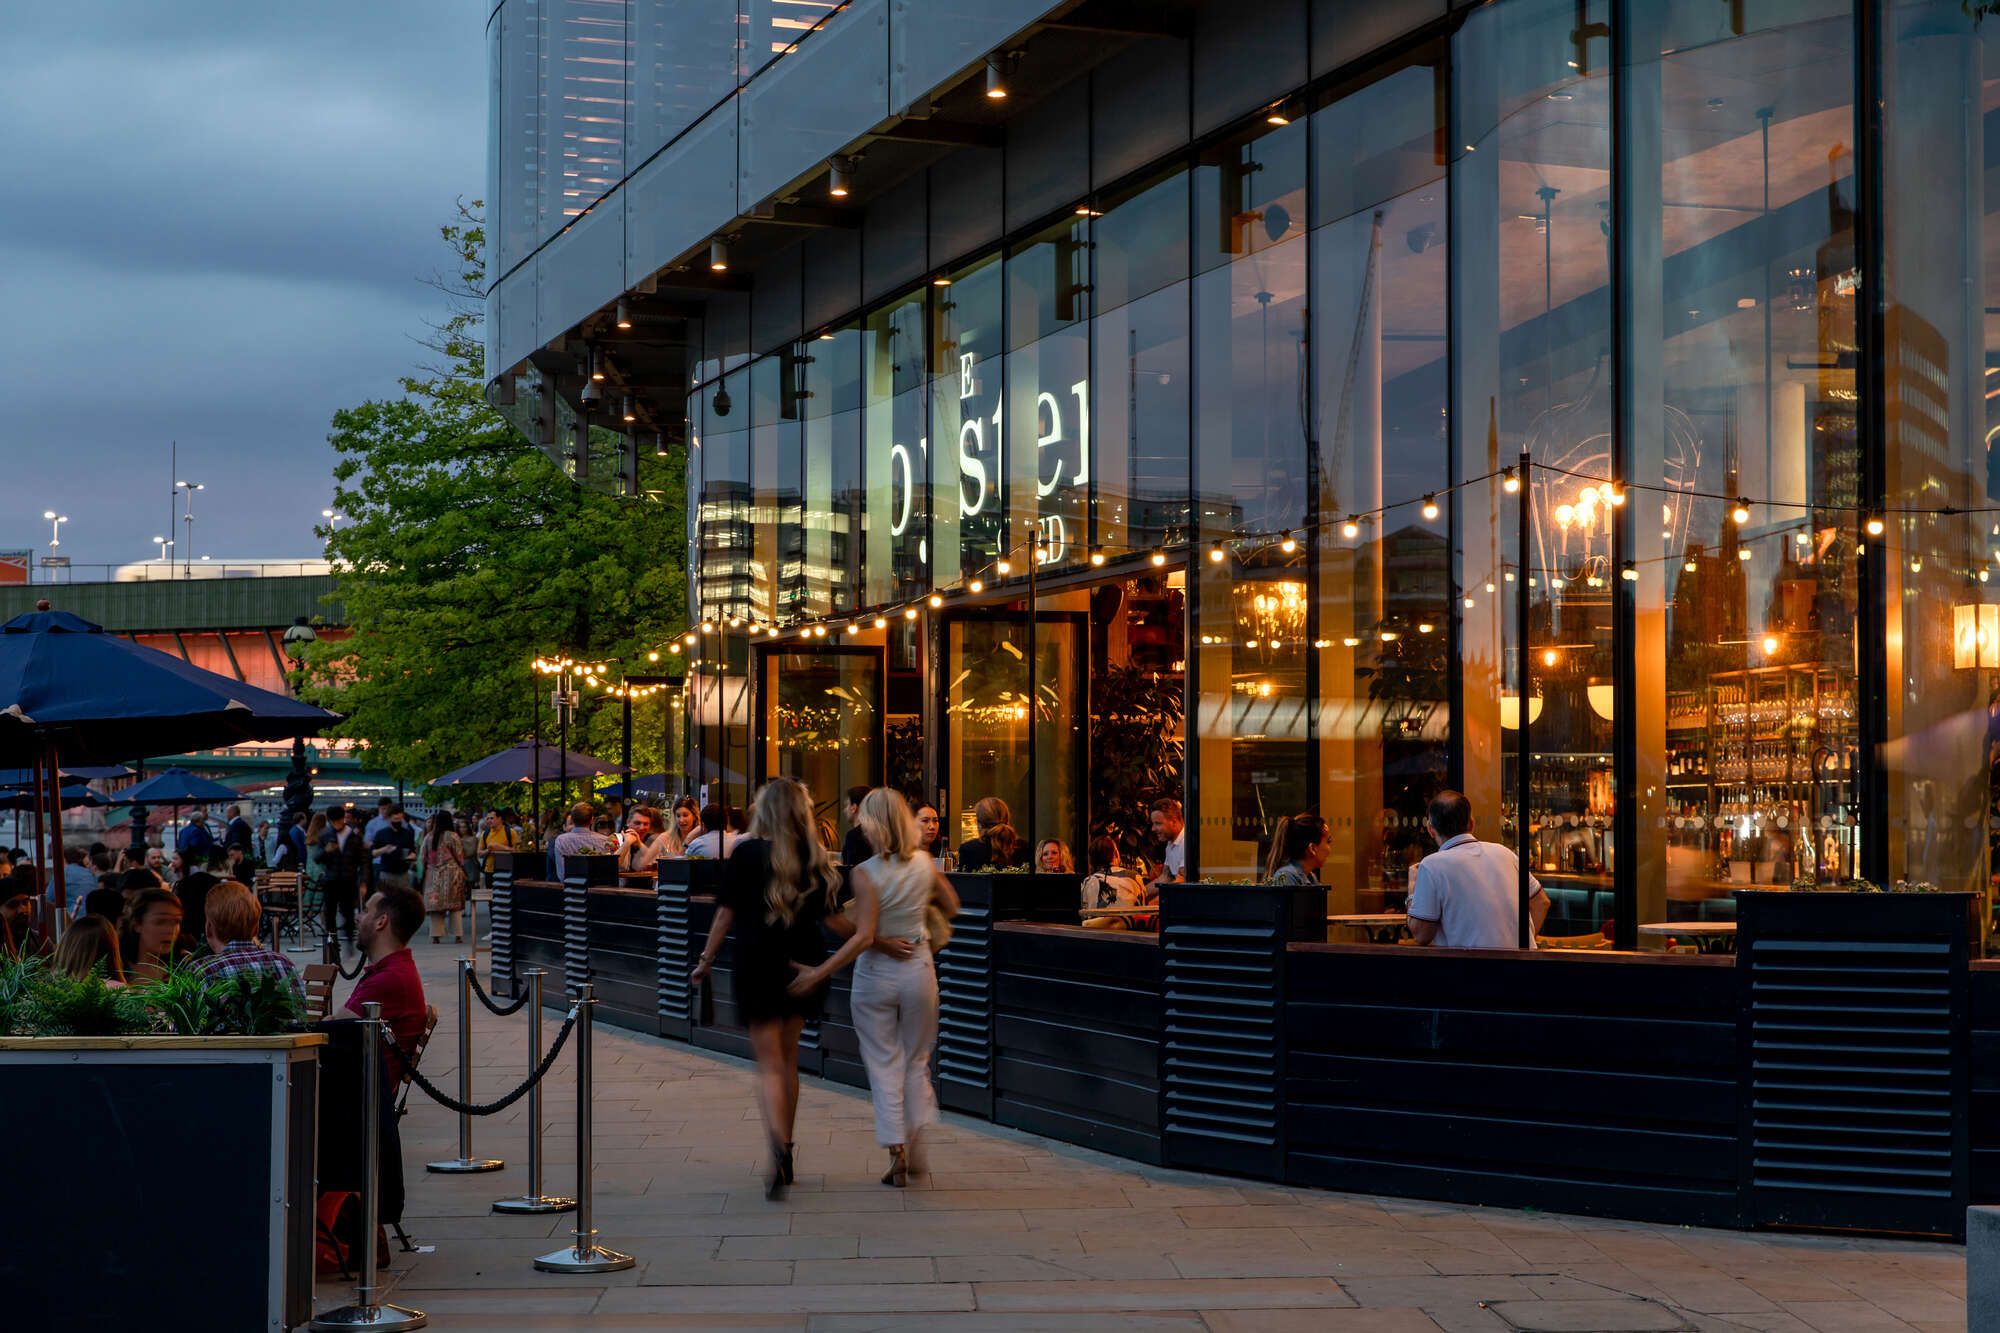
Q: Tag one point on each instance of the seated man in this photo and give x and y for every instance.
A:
(1466, 894)
(579, 839)
(233, 913)
(383, 929)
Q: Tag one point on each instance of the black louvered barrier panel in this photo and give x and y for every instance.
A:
(677, 954)
(579, 872)
(500, 955)
(1222, 986)
(1856, 1071)
(965, 1002)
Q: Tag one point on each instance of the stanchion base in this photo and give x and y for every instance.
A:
(385, 1318)
(587, 1259)
(464, 1166)
(534, 1203)
(303, 948)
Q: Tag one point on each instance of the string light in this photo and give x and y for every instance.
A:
(652, 657)
(910, 613)
(1159, 559)
(1004, 566)
(1629, 574)
(1216, 555)
(881, 622)
(1350, 529)
(853, 627)
(936, 601)
(975, 587)
(1874, 525)
(1509, 482)
(1614, 496)
(1740, 514)
(1096, 558)
(1289, 544)
(1430, 506)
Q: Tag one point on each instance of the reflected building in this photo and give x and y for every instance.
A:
(1180, 354)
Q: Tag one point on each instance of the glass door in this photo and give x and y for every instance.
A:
(823, 723)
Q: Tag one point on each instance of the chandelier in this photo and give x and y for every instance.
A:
(1273, 612)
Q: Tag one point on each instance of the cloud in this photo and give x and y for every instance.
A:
(217, 217)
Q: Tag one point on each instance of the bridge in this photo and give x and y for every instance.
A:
(234, 627)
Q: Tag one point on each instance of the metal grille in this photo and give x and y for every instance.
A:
(500, 958)
(1852, 1082)
(1222, 1064)
(676, 955)
(576, 936)
(965, 1010)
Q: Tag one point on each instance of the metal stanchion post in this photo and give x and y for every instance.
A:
(367, 1311)
(465, 1163)
(584, 1255)
(329, 949)
(534, 1201)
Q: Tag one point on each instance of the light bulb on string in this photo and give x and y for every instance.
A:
(1004, 566)
(1740, 514)
(1289, 544)
(1874, 525)
(1430, 506)
(909, 613)
(1509, 482)
(1159, 559)
(1350, 529)
(975, 586)
(935, 601)
(1216, 555)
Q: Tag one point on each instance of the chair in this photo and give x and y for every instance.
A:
(411, 1059)
(318, 979)
(278, 894)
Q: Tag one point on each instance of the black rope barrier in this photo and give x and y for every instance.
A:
(520, 1001)
(360, 966)
(451, 1103)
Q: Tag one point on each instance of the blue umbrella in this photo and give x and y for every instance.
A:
(25, 777)
(177, 786)
(72, 796)
(71, 692)
(517, 763)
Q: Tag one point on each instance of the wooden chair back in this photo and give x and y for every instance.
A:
(318, 979)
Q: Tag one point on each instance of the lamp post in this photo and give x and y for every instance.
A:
(55, 521)
(189, 488)
(165, 544)
(298, 782)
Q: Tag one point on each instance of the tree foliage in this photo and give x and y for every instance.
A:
(463, 551)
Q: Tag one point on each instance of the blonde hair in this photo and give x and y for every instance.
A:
(1063, 863)
(232, 912)
(86, 944)
(991, 812)
(782, 816)
(891, 828)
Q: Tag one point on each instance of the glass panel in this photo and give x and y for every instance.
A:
(772, 26)
(1060, 746)
(583, 105)
(824, 724)
(683, 63)
(1743, 355)
(895, 445)
(722, 520)
(778, 574)
(1140, 342)
(968, 366)
(1379, 289)
(1138, 681)
(831, 369)
(1530, 201)
(1250, 333)
(1048, 387)
(1941, 191)
(1251, 724)
(986, 721)
(517, 208)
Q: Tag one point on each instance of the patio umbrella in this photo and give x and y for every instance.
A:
(177, 786)
(70, 693)
(518, 763)
(73, 796)
(645, 782)
(24, 777)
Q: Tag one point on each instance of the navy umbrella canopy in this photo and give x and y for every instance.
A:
(517, 763)
(177, 786)
(72, 797)
(98, 698)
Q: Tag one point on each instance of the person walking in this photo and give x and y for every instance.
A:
(895, 1001)
(775, 894)
(341, 855)
(444, 877)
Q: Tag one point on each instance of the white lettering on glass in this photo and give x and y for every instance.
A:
(1049, 433)
(899, 515)
(971, 444)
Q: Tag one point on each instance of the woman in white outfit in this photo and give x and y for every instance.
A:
(895, 1002)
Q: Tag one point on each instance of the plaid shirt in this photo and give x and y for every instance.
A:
(240, 956)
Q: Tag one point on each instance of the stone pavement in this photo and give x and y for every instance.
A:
(1011, 1232)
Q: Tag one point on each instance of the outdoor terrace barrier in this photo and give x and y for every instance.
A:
(1842, 1070)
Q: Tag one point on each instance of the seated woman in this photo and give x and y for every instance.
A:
(89, 943)
(644, 841)
(1052, 858)
(152, 934)
(990, 813)
(1112, 885)
(1298, 849)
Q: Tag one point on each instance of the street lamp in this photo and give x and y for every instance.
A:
(298, 783)
(55, 537)
(190, 487)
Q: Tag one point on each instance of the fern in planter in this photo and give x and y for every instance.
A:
(16, 975)
(56, 1004)
(259, 1004)
(186, 1003)
(252, 1004)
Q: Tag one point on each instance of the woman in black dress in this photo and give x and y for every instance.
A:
(774, 897)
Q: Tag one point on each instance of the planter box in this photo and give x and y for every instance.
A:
(230, 1177)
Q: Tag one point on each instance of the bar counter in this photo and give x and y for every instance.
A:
(1841, 1070)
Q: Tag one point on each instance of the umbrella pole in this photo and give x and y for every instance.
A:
(40, 829)
(52, 877)
(535, 784)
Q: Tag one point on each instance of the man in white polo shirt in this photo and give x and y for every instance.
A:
(1467, 892)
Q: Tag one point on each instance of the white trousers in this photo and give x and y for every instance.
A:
(895, 1008)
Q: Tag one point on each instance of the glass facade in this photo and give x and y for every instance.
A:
(1215, 455)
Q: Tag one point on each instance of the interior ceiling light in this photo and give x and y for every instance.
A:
(591, 393)
(596, 365)
(626, 410)
(1278, 113)
(718, 255)
(623, 319)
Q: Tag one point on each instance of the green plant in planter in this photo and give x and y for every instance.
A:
(16, 974)
(56, 1004)
(259, 1004)
(254, 1004)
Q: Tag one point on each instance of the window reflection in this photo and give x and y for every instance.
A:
(830, 370)
(968, 417)
(894, 445)
(584, 92)
(1048, 388)
(1383, 641)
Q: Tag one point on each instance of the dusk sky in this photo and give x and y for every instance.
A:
(217, 216)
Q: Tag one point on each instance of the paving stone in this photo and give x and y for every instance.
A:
(1216, 1294)
(1319, 1321)
(1621, 1315)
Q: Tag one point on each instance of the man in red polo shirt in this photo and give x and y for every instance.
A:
(383, 929)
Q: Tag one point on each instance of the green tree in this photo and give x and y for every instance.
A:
(463, 552)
